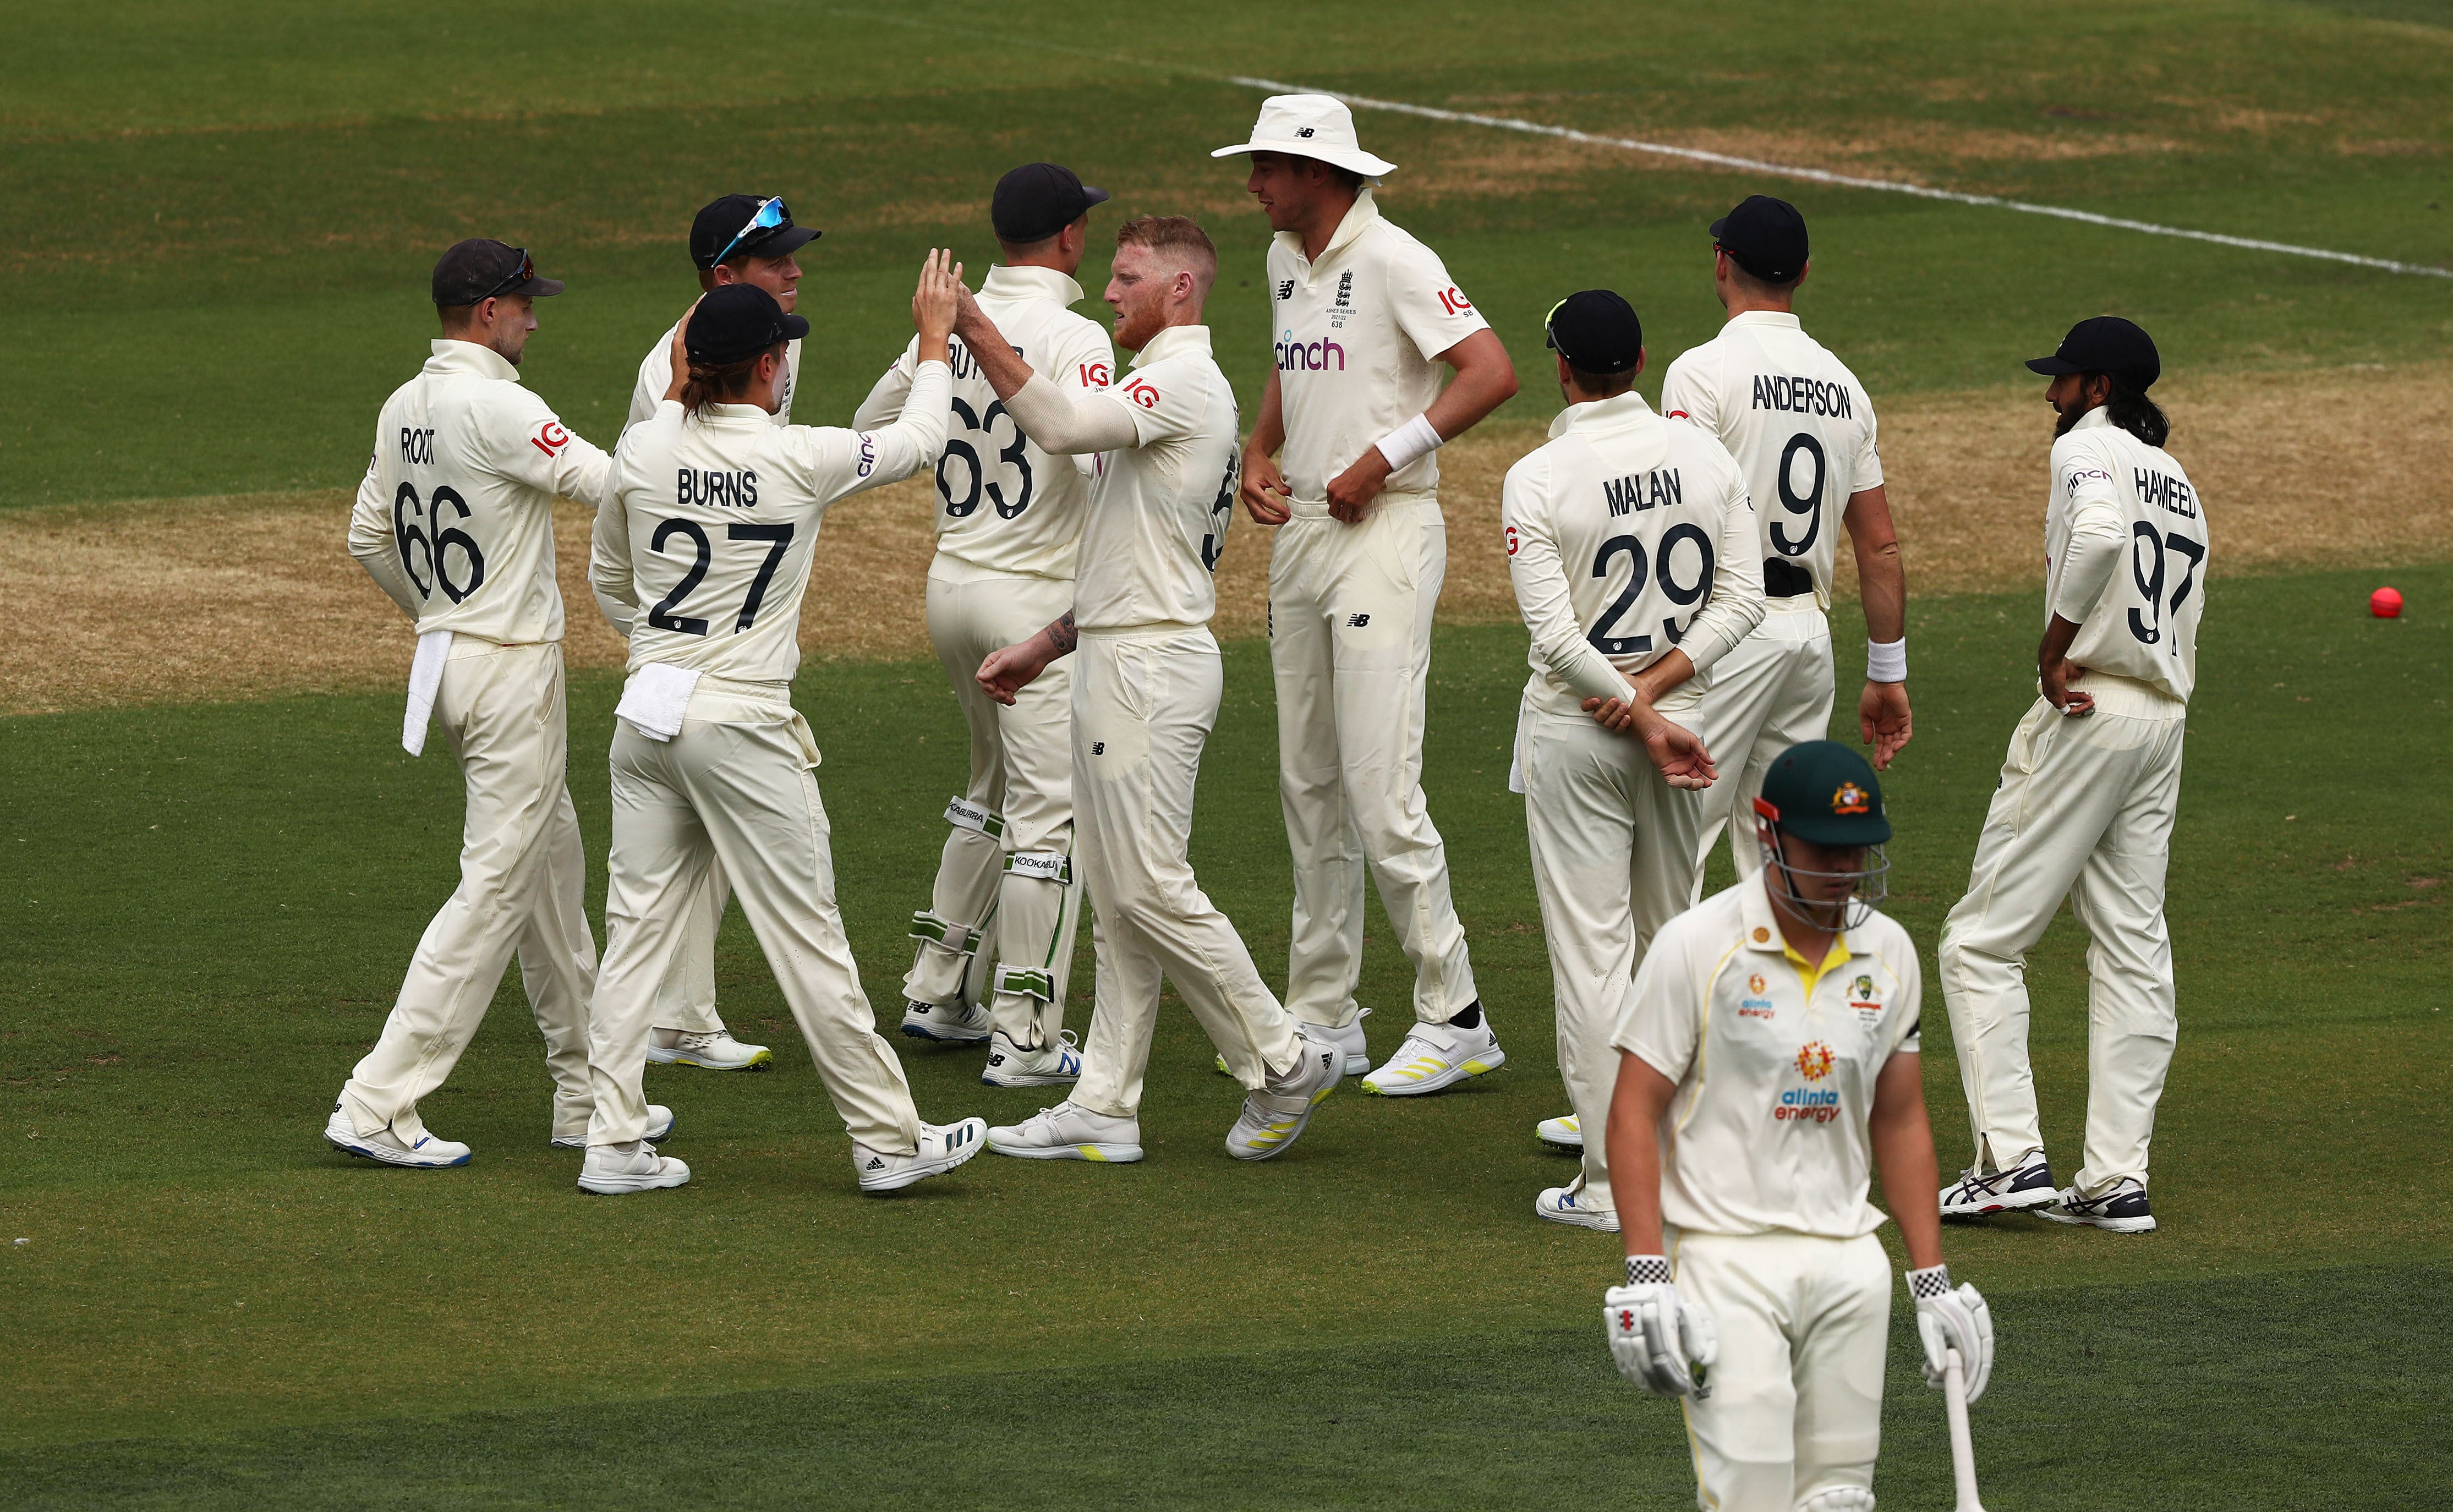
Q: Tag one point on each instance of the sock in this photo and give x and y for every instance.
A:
(1470, 1018)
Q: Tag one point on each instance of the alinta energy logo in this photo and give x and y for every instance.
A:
(1811, 1103)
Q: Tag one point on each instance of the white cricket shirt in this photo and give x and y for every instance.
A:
(1775, 1062)
(1799, 424)
(1159, 509)
(1004, 507)
(1626, 536)
(455, 518)
(656, 375)
(707, 529)
(1357, 335)
(2126, 553)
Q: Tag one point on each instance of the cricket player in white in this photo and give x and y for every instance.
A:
(2088, 797)
(1801, 427)
(1145, 694)
(1008, 525)
(1769, 1062)
(455, 522)
(738, 239)
(1364, 316)
(706, 535)
(1632, 552)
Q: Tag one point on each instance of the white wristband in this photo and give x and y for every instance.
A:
(1887, 661)
(1408, 441)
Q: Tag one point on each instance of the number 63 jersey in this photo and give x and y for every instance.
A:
(1801, 429)
(2121, 504)
(704, 535)
(455, 518)
(1004, 507)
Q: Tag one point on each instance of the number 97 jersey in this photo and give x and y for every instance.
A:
(1801, 429)
(2143, 625)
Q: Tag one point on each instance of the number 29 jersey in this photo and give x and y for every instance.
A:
(709, 524)
(2143, 622)
(1004, 507)
(1801, 429)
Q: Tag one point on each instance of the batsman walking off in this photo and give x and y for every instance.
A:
(1363, 317)
(2088, 797)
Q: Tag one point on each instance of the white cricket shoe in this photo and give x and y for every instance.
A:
(1566, 1205)
(2122, 1210)
(660, 1126)
(1067, 1132)
(943, 1147)
(1349, 1039)
(1561, 1134)
(1055, 1064)
(947, 1024)
(1436, 1056)
(1273, 1118)
(612, 1169)
(717, 1051)
(2028, 1183)
(427, 1154)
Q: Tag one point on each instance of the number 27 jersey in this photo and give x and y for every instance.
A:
(1801, 429)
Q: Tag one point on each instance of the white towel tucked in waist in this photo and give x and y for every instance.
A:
(655, 698)
(425, 680)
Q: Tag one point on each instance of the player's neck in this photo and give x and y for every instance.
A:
(1740, 301)
(1327, 214)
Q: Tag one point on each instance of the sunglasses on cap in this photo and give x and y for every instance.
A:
(770, 217)
(1550, 337)
(525, 273)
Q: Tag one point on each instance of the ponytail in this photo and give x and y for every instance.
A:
(2133, 411)
(715, 383)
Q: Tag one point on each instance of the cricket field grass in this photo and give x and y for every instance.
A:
(215, 227)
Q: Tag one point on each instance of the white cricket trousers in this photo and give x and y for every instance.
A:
(1772, 690)
(1144, 704)
(523, 884)
(2085, 811)
(1796, 1402)
(687, 999)
(1018, 915)
(739, 789)
(1350, 643)
(1614, 849)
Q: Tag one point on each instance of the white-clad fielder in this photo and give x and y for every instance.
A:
(738, 239)
(1008, 525)
(1803, 432)
(2088, 797)
(1146, 690)
(1768, 1064)
(706, 535)
(1363, 318)
(1632, 552)
(455, 521)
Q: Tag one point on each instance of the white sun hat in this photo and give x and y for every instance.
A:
(1310, 125)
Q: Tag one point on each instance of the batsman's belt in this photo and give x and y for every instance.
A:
(1048, 866)
(957, 938)
(1385, 499)
(964, 814)
(1026, 982)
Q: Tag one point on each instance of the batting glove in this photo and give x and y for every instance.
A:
(1661, 1341)
(1949, 1319)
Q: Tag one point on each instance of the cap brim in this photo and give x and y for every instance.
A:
(795, 328)
(2052, 367)
(783, 242)
(1357, 161)
(1093, 196)
(1717, 226)
(539, 287)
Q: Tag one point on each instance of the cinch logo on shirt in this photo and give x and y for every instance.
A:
(1310, 356)
(1799, 394)
(2075, 476)
(720, 490)
(1646, 490)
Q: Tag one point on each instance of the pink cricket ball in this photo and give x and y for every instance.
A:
(2386, 603)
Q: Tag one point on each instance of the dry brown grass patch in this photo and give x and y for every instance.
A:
(171, 600)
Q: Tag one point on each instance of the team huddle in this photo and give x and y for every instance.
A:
(1736, 1067)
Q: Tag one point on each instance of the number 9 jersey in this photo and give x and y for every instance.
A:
(455, 518)
(1801, 429)
(2125, 557)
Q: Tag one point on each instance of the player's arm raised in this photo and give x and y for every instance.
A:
(1061, 423)
(1882, 718)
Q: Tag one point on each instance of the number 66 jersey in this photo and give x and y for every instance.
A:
(706, 526)
(455, 516)
(2125, 556)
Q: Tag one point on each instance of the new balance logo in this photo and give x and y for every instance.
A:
(1287, 289)
(1358, 621)
(1098, 748)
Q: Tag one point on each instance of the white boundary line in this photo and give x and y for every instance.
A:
(1818, 175)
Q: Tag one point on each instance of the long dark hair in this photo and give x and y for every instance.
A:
(2134, 412)
(714, 382)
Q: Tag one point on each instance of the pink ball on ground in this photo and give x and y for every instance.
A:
(2386, 603)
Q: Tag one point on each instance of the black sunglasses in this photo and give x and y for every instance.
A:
(526, 272)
